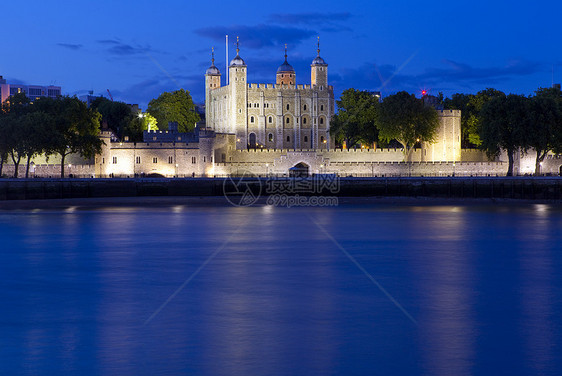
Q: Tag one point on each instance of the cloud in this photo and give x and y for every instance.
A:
(259, 36)
(464, 73)
(70, 46)
(449, 77)
(115, 47)
(329, 22)
(145, 90)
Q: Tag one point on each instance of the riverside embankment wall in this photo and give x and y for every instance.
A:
(548, 188)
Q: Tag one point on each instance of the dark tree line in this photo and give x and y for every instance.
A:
(60, 126)
(494, 121)
(490, 120)
(402, 118)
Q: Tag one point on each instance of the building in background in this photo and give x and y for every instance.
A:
(32, 91)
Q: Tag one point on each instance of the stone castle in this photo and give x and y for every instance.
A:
(266, 129)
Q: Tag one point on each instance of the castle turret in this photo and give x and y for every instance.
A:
(319, 70)
(238, 99)
(212, 81)
(286, 73)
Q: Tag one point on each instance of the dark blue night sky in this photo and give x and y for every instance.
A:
(138, 49)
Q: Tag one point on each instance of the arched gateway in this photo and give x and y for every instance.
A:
(299, 170)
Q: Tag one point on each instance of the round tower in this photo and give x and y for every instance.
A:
(238, 117)
(212, 81)
(285, 73)
(319, 70)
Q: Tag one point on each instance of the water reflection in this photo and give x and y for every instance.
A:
(447, 319)
(280, 297)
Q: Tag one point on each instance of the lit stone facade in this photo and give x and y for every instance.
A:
(266, 129)
(284, 115)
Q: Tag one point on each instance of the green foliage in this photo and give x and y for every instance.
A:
(406, 119)
(504, 124)
(544, 132)
(174, 106)
(356, 118)
(72, 126)
(140, 123)
(117, 115)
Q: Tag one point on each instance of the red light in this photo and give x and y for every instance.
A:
(424, 92)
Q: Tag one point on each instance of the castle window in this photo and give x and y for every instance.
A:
(138, 160)
(204, 159)
(170, 160)
(193, 160)
(305, 138)
(270, 137)
(321, 107)
(270, 120)
(304, 107)
(321, 120)
(287, 120)
(114, 160)
(288, 138)
(154, 160)
(304, 120)
(322, 139)
(251, 119)
(321, 87)
(287, 107)
(103, 160)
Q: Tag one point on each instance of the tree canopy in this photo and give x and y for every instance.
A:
(174, 106)
(504, 126)
(117, 115)
(406, 119)
(72, 127)
(356, 118)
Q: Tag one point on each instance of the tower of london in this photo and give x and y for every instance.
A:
(284, 115)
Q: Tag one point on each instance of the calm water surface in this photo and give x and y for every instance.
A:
(359, 289)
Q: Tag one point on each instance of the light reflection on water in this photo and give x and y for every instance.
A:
(483, 283)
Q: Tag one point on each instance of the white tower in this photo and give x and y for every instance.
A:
(238, 117)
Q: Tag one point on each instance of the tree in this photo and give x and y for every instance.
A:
(34, 129)
(474, 108)
(117, 115)
(4, 144)
(14, 109)
(175, 106)
(356, 118)
(140, 123)
(504, 122)
(406, 119)
(545, 116)
(73, 127)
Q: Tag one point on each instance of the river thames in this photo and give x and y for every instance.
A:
(367, 287)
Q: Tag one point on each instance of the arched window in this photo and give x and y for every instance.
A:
(304, 108)
(305, 138)
(321, 120)
(322, 139)
(304, 120)
(270, 137)
(321, 107)
(287, 107)
(270, 120)
(251, 119)
(287, 120)
(288, 138)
